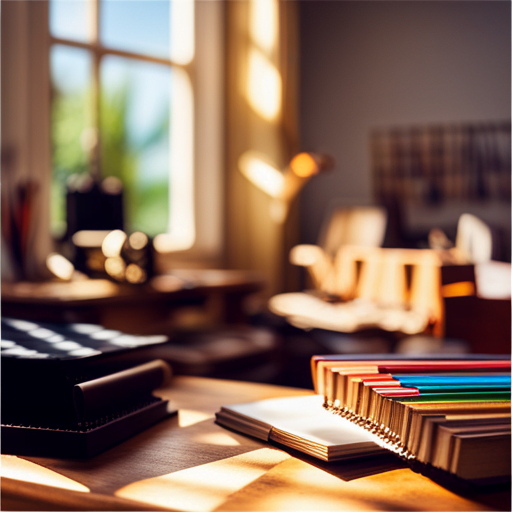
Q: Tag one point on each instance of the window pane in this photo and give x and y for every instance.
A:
(70, 123)
(69, 19)
(134, 128)
(140, 26)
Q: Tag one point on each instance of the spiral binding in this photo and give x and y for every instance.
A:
(384, 436)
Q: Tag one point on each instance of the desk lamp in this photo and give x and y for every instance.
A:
(282, 186)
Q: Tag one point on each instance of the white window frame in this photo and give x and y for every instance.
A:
(26, 125)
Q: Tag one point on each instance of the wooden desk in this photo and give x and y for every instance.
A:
(138, 309)
(188, 463)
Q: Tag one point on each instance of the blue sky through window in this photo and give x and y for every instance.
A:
(137, 26)
(68, 19)
(149, 86)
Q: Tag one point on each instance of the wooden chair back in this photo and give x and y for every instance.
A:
(390, 278)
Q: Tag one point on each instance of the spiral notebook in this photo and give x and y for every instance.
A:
(449, 415)
(448, 418)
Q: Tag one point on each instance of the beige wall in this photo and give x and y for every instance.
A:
(375, 64)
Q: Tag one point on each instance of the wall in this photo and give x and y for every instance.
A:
(375, 64)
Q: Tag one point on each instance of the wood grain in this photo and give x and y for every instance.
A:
(189, 463)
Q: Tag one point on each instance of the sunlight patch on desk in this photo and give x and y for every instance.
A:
(186, 417)
(298, 486)
(20, 469)
(204, 488)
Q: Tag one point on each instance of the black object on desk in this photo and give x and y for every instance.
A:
(94, 205)
(73, 390)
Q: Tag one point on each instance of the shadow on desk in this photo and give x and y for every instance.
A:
(353, 469)
(163, 449)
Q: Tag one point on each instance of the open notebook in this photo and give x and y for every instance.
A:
(301, 423)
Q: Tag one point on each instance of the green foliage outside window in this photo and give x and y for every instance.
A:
(145, 200)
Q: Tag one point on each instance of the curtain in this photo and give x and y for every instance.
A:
(262, 136)
(25, 140)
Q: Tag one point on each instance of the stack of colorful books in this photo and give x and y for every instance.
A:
(444, 415)
(448, 418)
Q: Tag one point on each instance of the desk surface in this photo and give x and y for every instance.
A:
(178, 284)
(188, 463)
(139, 309)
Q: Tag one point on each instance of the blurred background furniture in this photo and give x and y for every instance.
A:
(139, 309)
(477, 306)
(392, 290)
(428, 176)
(450, 298)
(202, 312)
(354, 225)
(366, 298)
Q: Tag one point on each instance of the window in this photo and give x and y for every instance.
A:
(130, 100)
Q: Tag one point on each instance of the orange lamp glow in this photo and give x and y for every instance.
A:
(461, 289)
(304, 165)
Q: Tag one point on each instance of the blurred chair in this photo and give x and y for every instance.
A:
(474, 239)
(362, 226)
(393, 290)
(473, 242)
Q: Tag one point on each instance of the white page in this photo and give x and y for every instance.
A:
(304, 416)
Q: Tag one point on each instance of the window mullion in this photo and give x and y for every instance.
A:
(96, 106)
(94, 26)
(97, 144)
(97, 47)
